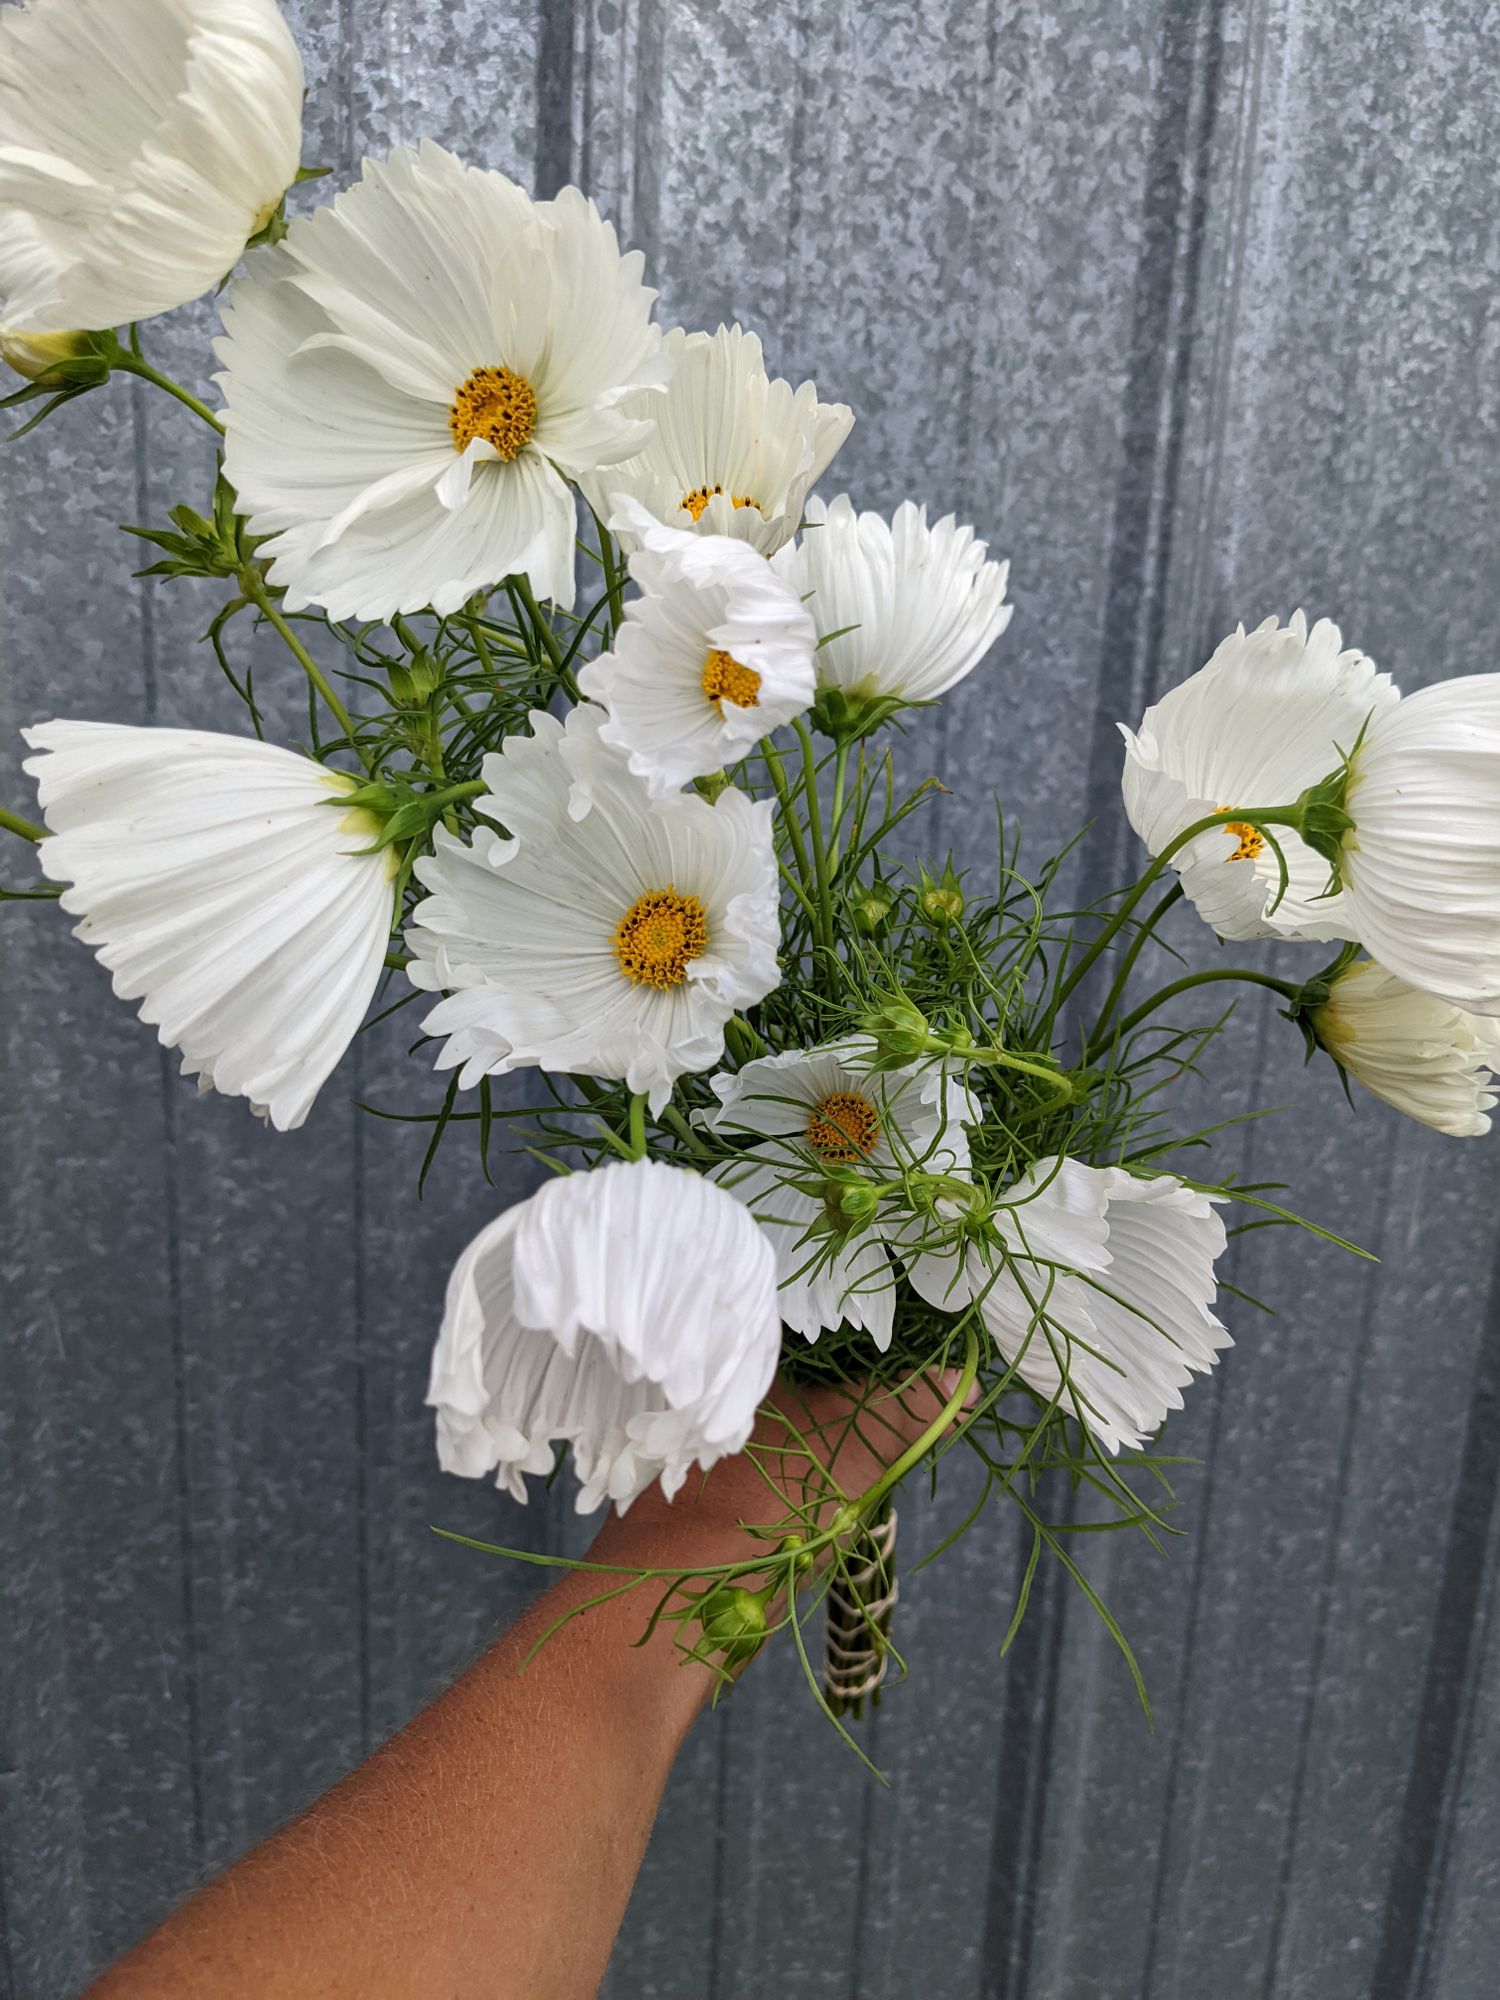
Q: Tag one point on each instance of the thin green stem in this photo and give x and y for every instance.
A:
(136, 364)
(869, 1500)
(637, 1126)
(13, 823)
(777, 772)
(614, 578)
(546, 637)
(1185, 985)
(836, 811)
(1127, 963)
(255, 589)
(815, 832)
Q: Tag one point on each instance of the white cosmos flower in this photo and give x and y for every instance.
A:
(715, 653)
(612, 933)
(224, 890)
(733, 451)
(142, 143)
(1271, 714)
(1423, 1055)
(816, 1109)
(1102, 1298)
(915, 607)
(413, 375)
(630, 1311)
(1421, 868)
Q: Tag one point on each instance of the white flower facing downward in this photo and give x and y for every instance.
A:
(1102, 1298)
(733, 451)
(222, 887)
(816, 1109)
(413, 375)
(715, 653)
(611, 934)
(914, 608)
(142, 143)
(630, 1312)
(1421, 867)
(1420, 1054)
(1271, 714)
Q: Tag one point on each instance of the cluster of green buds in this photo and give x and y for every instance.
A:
(215, 545)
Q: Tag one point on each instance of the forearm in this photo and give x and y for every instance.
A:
(490, 1848)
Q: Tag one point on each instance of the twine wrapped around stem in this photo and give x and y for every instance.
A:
(861, 1600)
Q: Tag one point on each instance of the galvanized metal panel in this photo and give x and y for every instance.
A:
(1190, 310)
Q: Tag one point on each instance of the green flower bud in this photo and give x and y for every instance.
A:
(941, 901)
(849, 1204)
(870, 908)
(35, 355)
(734, 1623)
(899, 1031)
(711, 784)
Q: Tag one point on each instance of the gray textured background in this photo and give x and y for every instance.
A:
(1190, 307)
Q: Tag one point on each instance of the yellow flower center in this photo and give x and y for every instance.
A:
(843, 1126)
(698, 499)
(497, 405)
(724, 679)
(659, 936)
(1251, 843)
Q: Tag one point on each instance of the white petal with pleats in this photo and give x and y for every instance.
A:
(1100, 1292)
(715, 653)
(902, 609)
(1416, 1052)
(630, 1312)
(350, 348)
(812, 1110)
(1273, 712)
(222, 887)
(525, 933)
(142, 143)
(733, 450)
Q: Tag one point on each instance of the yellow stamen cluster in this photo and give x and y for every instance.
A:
(659, 936)
(1251, 842)
(698, 499)
(724, 679)
(497, 405)
(844, 1127)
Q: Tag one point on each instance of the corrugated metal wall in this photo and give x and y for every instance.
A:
(1191, 308)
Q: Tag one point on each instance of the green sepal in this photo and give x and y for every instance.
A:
(217, 545)
(1324, 823)
(847, 717)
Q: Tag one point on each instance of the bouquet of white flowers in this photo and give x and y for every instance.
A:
(592, 776)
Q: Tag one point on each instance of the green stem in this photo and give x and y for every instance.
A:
(777, 772)
(637, 1126)
(13, 823)
(815, 832)
(1127, 963)
(136, 364)
(1185, 985)
(255, 589)
(545, 635)
(614, 579)
(836, 812)
(860, 1509)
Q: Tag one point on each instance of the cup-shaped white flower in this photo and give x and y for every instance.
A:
(1421, 864)
(613, 933)
(142, 144)
(1273, 712)
(715, 653)
(1412, 1050)
(630, 1312)
(1099, 1292)
(415, 372)
(733, 451)
(222, 887)
(903, 610)
(825, 1112)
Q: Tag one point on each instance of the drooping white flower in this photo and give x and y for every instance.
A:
(1100, 1293)
(914, 608)
(1271, 714)
(413, 375)
(612, 933)
(732, 450)
(222, 887)
(715, 653)
(142, 144)
(630, 1311)
(825, 1108)
(1421, 1054)
(1421, 867)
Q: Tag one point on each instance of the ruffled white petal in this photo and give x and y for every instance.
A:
(1416, 1052)
(914, 607)
(223, 889)
(703, 598)
(1272, 713)
(1422, 865)
(346, 344)
(520, 931)
(742, 447)
(142, 142)
(1102, 1297)
(630, 1312)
